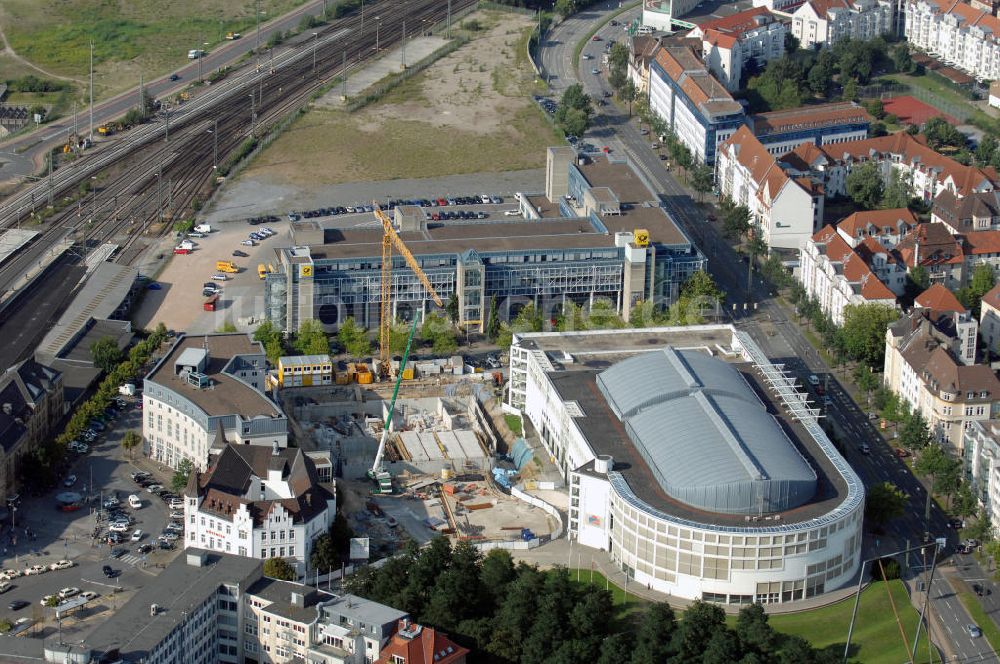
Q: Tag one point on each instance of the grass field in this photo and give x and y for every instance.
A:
(129, 36)
(876, 638)
(469, 112)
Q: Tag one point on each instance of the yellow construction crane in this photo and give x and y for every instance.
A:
(390, 238)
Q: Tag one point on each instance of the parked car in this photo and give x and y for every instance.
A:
(35, 570)
(18, 604)
(69, 481)
(62, 564)
(108, 572)
(118, 552)
(240, 254)
(66, 593)
(89, 595)
(137, 535)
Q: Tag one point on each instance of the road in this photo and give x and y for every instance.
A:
(781, 339)
(57, 535)
(22, 155)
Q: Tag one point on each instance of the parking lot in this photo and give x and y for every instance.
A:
(178, 303)
(44, 535)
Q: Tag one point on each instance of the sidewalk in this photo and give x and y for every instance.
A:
(560, 552)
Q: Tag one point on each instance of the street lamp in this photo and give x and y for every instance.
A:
(378, 24)
(315, 41)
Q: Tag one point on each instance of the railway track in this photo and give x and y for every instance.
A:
(136, 177)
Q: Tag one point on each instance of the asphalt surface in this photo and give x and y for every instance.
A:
(756, 312)
(22, 155)
(60, 535)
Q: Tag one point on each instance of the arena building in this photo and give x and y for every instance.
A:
(695, 462)
(597, 230)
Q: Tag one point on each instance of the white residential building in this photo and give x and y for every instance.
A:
(886, 226)
(982, 445)
(957, 34)
(838, 276)
(260, 503)
(728, 43)
(989, 320)
(826, 22)
(929, 362)
(784, 209)
(207, 391)
(695, 106)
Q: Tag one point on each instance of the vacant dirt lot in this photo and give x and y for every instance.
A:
(469, 112)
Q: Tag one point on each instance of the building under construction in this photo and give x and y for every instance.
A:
(598, 231)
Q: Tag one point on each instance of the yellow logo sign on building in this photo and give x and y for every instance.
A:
(641, 236)
(305, 270)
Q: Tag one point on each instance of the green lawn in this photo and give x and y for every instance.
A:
(876, 638)
(129, 37)
(513, 423)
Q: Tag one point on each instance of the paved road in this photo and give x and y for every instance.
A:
(59, 535)
(30, 147)
(763, 318)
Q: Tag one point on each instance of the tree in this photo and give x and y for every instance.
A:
(865, 186)
(754, 632)
(105, 353)
(354, 339)
(575, 110)
(702, 179)
(966, 504)
(180, 479)
(655, 635)
(791, 43)
(279, 568)
(884, 503)
(493, 320)
(496, 574)
(936, 465)
(701, 620)
(920, 278)
(736, 222)
(311, 338)
(565, 8)
(863, 331)
(940, 133)
(849, 90)
(628, 93)
(897, 193)
(986, 150)
(914, 434)
(452, 309)
(901, 59)
(865, 378)
(574, 122)
(820, 77)
(269, 335)
(439, 333)
(982, 280)
(130, 441)
(52, 601)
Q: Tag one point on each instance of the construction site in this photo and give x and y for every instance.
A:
(447, 454)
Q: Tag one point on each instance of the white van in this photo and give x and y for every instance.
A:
(203, 228)
(134, 502)
(220, 277)
(644, 30)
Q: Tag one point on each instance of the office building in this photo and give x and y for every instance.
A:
(730, 42)
(31, 405)
(207, 391)
(597, 231)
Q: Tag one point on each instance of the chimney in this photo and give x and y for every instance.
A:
(309, 500)
(298, 599)
(274, 448)
(8, 409)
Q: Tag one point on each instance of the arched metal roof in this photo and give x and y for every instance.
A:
(705, 434)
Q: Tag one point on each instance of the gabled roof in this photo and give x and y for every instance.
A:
(813, 115)
(727, 30)
(690, 74)
(969, 17)
(885, 222)
(417, 644)
(944, 372)
(992, 297)
(938, 298)
(982, 242)
(930, 244)
(854, 266)
(953, 210)
(915, 154)
(763, 168)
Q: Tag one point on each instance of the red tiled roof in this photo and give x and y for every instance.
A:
(884, 221)
(938, 298)
(983, 242)
(914, 153)
(417, 644)
(740, 22)
(821, 7)
(971, 16)
(992, 298)
(936, 246)
(816, 115)
(870, 247)
(752, 155)
(856, 269)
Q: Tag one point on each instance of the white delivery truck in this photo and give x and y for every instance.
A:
(127, 390)
(203, 228)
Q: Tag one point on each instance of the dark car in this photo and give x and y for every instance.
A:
(118, 552)
(166, 545)
(108, 572)
(175, 77)
(18, 604)
(144, 548)
(240, 254)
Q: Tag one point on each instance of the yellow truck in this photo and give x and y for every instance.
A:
(261, 270)
(226, 266)
(233, 35)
